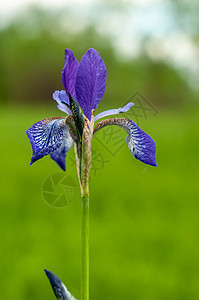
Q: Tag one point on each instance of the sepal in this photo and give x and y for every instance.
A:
(139, 143)
(50, 136)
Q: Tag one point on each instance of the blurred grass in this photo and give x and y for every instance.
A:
(144, 234)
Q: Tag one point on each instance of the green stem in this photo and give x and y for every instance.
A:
(85, 249)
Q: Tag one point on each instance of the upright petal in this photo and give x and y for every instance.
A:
(50, 136)
(90, 81)
(69, 72)
(140, 144)
(114, 111)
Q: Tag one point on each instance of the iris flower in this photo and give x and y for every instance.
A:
(84, 86)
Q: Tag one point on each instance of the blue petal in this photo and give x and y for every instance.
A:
(59, 155)
(50, 136)
(114, 111)
(140, 144)
(69, 72)
(90, 82)
(61, 97)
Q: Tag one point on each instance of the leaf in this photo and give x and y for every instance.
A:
(77, 115)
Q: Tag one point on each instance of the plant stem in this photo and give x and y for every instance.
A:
(85, 249)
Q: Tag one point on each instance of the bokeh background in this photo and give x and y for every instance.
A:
(144, 221)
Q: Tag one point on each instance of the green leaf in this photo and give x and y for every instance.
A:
(70, 122)
(77, 115)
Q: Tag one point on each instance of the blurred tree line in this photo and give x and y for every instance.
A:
(32, 57)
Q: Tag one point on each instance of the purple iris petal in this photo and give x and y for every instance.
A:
(114, 111)
(61, 97)
(59, 155)
(69, 72)
(50, 136)
(90, 81)
(141, 145)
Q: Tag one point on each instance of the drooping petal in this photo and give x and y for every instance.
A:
(140, 144)
(69, 72)
(114, 111)
(90, 81)
(58, 287)
(50, 136)
(59, 155)
(61, 97)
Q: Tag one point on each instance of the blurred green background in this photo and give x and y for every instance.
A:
(144, 221)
